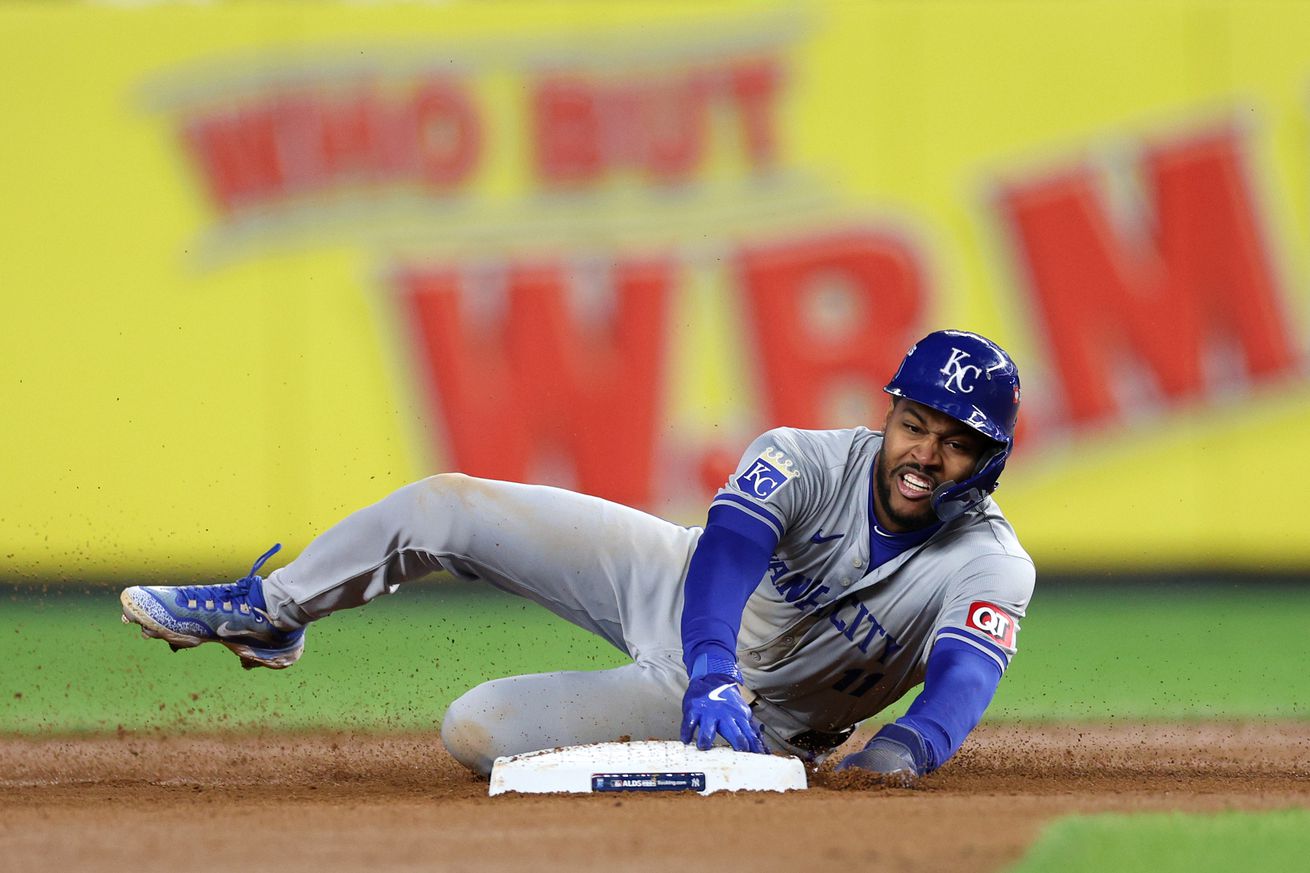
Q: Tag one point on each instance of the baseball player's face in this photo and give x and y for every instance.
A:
(922, 448)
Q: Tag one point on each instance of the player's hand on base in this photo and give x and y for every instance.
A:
(713, 706)
(897, 752)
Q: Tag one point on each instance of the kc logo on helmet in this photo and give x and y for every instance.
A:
(957, 372)
(993, 621)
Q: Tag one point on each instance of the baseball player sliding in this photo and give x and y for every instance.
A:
(837, 570)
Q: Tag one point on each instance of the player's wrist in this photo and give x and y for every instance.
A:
(897, 752)
(909, 739)
(714, 660)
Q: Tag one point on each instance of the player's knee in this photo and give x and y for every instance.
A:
(451, 492)
(468, 730)
(436, 496)
(438, 490)
(445, 483)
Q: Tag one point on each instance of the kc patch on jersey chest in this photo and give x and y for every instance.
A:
(767, 473)
(993, 621)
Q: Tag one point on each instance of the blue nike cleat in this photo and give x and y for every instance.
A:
(234, 615)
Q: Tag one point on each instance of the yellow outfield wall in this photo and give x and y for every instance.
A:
(263, 263)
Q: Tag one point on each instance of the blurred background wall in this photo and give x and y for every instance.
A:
(260, 264)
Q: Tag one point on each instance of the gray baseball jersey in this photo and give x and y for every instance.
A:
(824, 641)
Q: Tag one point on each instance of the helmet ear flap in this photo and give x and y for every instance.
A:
(950, 500)
(988, 474)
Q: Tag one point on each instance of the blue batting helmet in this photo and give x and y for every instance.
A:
(973, 380)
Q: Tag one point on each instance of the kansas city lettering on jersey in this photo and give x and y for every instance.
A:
(851, 617)
(767, 473)
(802, 592)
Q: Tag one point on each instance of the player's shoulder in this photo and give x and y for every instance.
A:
(984, 540)
(990, 525)
(824, 446)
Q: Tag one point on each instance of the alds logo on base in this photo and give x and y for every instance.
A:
(993, 621)
(648, 782)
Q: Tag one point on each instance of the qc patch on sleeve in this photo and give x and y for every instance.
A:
(767, 473)
(992, 621)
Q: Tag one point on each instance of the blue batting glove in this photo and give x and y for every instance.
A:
(896, 752)
(713, 706)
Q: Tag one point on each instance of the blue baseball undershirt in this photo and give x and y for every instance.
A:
(728, 563)
(731, 558)
(957, 690)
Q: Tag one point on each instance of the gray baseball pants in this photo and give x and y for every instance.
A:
(608, 568)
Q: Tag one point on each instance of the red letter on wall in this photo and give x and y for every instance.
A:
(567, 132)
(1201, 284)
(539, 380)
(755, 87)
(448, 133)
(874, 278)
(238, 153)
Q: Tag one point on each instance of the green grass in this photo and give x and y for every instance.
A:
(71, 665)
(1158, 652)
(67, 664)
(1172, 843)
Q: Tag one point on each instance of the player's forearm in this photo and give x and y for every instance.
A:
(959, 686)
(725, 568)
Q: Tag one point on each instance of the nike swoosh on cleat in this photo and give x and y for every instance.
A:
(228, 633)
(819, 538)
(717, 693)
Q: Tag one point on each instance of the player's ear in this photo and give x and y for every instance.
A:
(891, 407)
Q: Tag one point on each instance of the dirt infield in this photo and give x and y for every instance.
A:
(327, 803)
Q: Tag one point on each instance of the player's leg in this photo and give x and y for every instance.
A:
(526, 713)
(608, 568)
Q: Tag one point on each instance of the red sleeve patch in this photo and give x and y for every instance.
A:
(993, 621)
